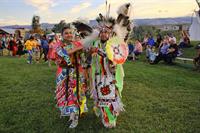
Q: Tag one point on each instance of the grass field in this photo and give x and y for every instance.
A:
(158, 99)
(190, 52)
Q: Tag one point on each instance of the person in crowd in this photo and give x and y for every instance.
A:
(20, 46)
(163, 50)
(158, 40)
(145, 41)
(57, 41)
(37, 44)
(138, 48)
(51, 51)
(14, 48)
(196, 60)
(172, 52)
(3, 41)
(172, 37)
(45, 47)
(131, 55)
(185, 40)
(28, 47)
(151, 41)
(1, 47)
(11, 45)
(151, 54)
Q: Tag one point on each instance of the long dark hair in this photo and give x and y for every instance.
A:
(64, 28)
(50, 41)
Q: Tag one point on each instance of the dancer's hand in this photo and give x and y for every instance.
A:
(71, 51)
(94, 50)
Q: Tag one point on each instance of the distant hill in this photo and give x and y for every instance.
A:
(162, 21)
(154, 21)
(43, 26)
(157, 21)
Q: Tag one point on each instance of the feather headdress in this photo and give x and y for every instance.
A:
(121, 26)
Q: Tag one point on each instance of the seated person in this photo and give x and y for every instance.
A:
(163, 50)
(172, 52)
(172, 37)
(158, 40)
(138, 48)
(150, 54)
(145, 41)
(196, 60)
(148, 51)
(130, 49)
(151, 41)
(185, 41)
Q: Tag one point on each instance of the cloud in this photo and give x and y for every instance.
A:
(149, 8)
(52, 11)
(76, 12)
(93, 10)
(41, 5)
(78, 8)
(44, 6)
(10, 20)
(161, 9)
(114, 5)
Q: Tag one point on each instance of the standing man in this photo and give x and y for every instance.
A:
(45, 47)
(107, 70)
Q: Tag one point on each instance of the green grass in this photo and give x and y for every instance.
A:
(158, 99)
(190, 52)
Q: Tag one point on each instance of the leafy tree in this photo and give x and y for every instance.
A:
(58, 27)
(36, 28)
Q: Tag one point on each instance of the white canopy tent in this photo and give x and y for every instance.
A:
(194, 30)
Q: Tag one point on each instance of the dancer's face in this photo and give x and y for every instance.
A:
(68, 35)
(104, 36)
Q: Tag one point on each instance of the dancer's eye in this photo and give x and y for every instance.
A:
(66, 33)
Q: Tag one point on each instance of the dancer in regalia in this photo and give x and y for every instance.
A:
(70, 88)
(109, 53)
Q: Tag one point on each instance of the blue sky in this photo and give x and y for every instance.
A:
(52, 11)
